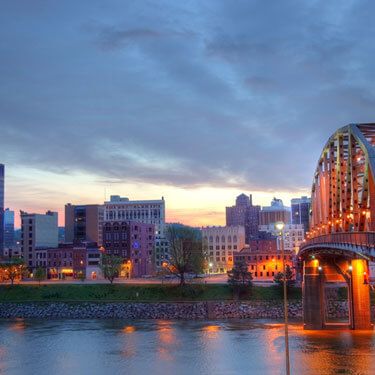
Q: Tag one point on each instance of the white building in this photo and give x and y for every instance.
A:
(221, 243)
(38, 232)
(293, 235)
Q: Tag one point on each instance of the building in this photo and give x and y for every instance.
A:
(265, 261)
(301, 211)
(134, 242)
(221, 244)
(39, 232)
(9, 240)
(2, 178)
(69, 261)
(293, 235)
(270, 215)
(83, 223)
(246, 214)
(142, 211)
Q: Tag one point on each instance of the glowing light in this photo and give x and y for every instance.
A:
(279, 226)
(350, 268)
(128, 329)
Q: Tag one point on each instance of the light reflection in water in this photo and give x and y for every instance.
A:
(163, 347)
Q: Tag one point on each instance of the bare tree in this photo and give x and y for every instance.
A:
(186, 251)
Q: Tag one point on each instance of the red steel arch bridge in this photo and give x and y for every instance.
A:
(341, 239)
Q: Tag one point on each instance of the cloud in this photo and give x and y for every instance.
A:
(186, 94)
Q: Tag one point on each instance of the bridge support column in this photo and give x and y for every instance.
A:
(313, 296)
(359, 296)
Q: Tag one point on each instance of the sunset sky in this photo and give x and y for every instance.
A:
(196, 101)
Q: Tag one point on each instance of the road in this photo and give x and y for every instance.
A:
(211, 279)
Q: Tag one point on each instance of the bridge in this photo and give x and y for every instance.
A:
(341, 238)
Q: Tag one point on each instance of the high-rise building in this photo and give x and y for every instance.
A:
(246, 214)
(38, 232)
(134, 242)
(301, 211)
(270, 215)
(83, 223)
(142, 211)
(9, 240)
(2, 176)
(222, 243)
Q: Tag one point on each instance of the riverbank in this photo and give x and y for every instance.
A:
(199, 310)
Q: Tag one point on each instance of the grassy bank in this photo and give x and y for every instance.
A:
(152, 293)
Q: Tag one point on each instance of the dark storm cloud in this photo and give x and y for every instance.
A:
(199, 93)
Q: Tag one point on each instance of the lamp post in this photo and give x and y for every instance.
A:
(280, 231)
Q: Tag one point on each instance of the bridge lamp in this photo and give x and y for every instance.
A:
(320, 268)
(350, 268)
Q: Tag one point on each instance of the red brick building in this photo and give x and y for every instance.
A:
(263, 259)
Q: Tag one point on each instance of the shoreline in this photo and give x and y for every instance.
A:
(181, 310)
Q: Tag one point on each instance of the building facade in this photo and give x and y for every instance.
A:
(142, 211)
(270, 215)
(134, 242)
(293, 235)
(301, 212)
(264, 262)
(9, 240)
(221, 243)
(69, 261)
(246, 214)
(38, 232)
(2, 178)
(83, 223)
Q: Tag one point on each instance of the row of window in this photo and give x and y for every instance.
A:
(223, 239)
(223, 247)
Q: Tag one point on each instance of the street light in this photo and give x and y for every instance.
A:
(280, 232)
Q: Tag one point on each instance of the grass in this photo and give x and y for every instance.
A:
(120, 292)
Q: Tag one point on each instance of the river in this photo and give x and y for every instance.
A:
(178, 347)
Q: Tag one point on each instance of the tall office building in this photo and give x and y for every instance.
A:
(270, 215)
(142, 211)
(2, 170)
(301, 211)
(9, 240)
(83, 223)
(38, 232)
(244, 213)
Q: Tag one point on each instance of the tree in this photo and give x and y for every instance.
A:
(239, 278)
(186, 251)
(13, 269)
(81, 276)
(40, 274)
(110, 266)
(279, 277)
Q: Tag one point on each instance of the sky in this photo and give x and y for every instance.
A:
(196, 101)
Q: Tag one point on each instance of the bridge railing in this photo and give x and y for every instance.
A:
(351, 238)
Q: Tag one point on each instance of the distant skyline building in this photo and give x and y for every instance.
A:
(293, 235)
(222, 243)
(83, 223)
(269, 215)
(39, 231)
(9, 240)
(143, 211)
(301, 211)
(246, 214)
(2, 179)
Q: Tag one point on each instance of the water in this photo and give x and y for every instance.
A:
(164, 347)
